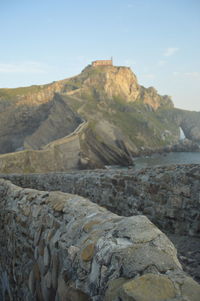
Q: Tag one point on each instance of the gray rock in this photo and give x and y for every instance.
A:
(85, 248)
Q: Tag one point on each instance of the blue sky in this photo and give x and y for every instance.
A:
(47, 40)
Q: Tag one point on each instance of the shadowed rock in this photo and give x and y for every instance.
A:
(52, 235)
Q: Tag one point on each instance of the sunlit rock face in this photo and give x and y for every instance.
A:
(123, 118)
(111, 82)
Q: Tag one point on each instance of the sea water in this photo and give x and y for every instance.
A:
(165, 159)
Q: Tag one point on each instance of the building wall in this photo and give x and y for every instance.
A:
(102, 63)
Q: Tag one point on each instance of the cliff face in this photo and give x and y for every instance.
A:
(190, 123)
(110, 82)
(123, 119)
(61, 121)
(151, 97)
(33, 113)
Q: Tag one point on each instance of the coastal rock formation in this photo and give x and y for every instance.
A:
(104, 96)
(109, 82)
(150, 97)
(123, 119)
(61, 121)
(190, 122)
(57, 246)
(22, 110)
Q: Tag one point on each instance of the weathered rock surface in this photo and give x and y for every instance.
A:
(57, 246)
(109, 82)
(190, 123)
(188, 253)
(61, 121)
(123, 118)
(22, 111)
(168, 196)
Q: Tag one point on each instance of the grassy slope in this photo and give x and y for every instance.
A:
(12, 93)
(137, 123)
(141, 126)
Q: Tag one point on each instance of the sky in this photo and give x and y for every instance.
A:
(48, 40)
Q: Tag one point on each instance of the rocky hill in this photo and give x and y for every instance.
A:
(116, 119)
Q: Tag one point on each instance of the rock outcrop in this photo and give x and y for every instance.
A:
(108, 82)
(150, 97)
(124, 119)
(57, 246)
(61, 121)
(190, 123)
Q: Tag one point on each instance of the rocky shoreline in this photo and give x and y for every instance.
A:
(184, 145)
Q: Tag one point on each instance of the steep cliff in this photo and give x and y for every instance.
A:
(111, 82)
(190, 123)
(123, 119)
(61, 121)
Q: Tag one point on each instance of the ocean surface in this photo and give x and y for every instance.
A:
(167, 159)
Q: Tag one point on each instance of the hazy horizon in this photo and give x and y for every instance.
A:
(52, 40)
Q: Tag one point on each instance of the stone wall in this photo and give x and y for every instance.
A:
(168, 196)
(58, 246)
(57, 157)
